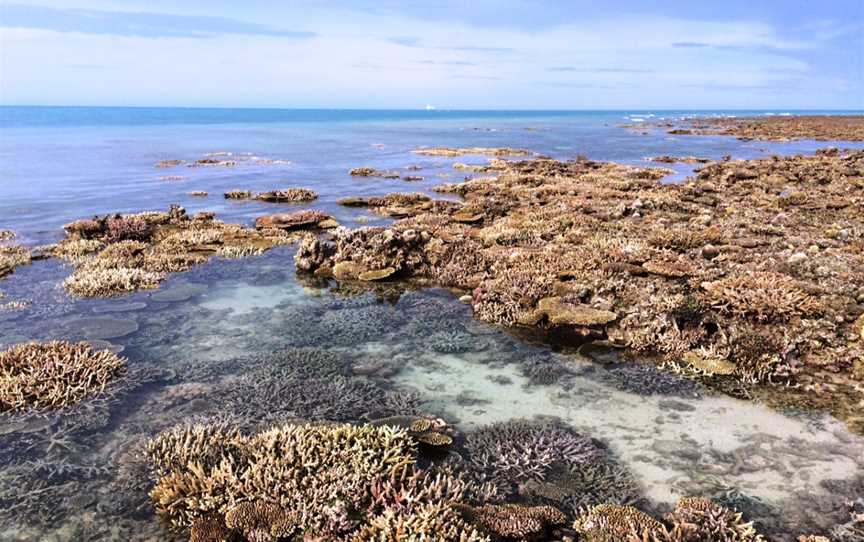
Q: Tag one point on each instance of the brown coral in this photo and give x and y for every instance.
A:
(513, 520)
(288, 195)
(761, 295)
(54, 374)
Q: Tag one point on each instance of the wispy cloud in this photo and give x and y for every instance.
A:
(411, 41)
(137, 24)
(690, 44)
(448, 62)
(407, 41)
(571, 69)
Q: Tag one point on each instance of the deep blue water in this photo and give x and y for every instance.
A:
(62, 163)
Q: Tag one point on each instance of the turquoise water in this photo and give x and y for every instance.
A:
(250, 341)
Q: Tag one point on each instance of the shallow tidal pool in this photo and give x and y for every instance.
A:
(246, 341)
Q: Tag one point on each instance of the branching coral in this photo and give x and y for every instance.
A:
(54, 374)
(12, 257)
(610, 523)
(762, 295)
(329, 481)
(522, 450)
(695, 519)
(513, 521)
(118, 254)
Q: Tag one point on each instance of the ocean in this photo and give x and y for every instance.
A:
(202, 346)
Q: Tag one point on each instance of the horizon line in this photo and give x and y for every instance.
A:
(423, 109)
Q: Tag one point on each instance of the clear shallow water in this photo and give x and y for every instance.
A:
(205, 343)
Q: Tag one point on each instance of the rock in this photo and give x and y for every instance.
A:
(557, 311)
(711, 366)
(296, 221)
(465, 299)
(709, 252)
(858, 327)
(286, 195)
(347, 271)
(379, 274)
(796, 258)
(667, 269)
(353, 202)
(467, 217)
(238, 194)
(168, 163)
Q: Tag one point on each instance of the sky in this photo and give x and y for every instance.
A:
(451, 54)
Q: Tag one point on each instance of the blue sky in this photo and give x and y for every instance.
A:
(482, 54)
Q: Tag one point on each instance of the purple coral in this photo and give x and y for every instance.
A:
(520, 449)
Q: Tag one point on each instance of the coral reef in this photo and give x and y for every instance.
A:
(299, 220)
(329, 481)
(513, 521)
(451, 152)
(238, 194)
(774, 128)
(695, 519)
(54, 374)
(728, 275)
(503, 453)
(288, 195)
(611, 523)
(116, 254)
(372, 172)
(12, 257)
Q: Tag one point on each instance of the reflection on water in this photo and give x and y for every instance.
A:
(245, 341)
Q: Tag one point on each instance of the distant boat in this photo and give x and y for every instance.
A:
(430, 107)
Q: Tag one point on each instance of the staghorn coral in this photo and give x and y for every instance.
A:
(611, 523)
(327, 481)
(523, 450)
(513, 521)
(54, 374)
(112, 256)
(127, 228)
(433, 521)
(762, 295)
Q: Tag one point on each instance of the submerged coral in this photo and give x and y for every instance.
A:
(54, 374)
(523, 450)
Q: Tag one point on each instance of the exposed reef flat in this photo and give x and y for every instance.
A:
(119, 254)
(772, 128)
(748, 273)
